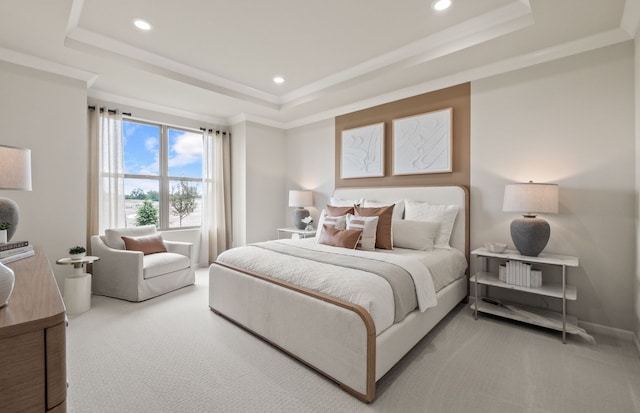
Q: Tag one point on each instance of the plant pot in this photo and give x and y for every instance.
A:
(77, 256)
(3, 236)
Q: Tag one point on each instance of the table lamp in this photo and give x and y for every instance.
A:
(300, 199)
(530, 234)
(15, 174)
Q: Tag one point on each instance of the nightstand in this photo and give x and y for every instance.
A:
(548, 288)
(295, 233)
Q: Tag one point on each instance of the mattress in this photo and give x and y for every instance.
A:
(430, 270)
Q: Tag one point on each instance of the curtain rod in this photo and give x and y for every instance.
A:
(112, 111)
(211, 130)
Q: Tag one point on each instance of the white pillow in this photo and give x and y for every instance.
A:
(335, 222)
(398, 209)
(414, 235)
(344, 202)
(444, 214)
(368, 226)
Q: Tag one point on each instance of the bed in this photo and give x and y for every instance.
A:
(326, 332)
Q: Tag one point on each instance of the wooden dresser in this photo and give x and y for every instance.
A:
(33, 372)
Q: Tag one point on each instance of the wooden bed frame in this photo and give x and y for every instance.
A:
(336, 338)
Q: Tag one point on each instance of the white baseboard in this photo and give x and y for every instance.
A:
(618, 333)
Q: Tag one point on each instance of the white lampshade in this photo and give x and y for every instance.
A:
(300, 199)
(531, 198)
(15, 168)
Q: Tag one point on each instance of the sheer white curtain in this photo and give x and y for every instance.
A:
(216, 211)
(106, 181)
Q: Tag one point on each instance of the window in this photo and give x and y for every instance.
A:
(163, 175)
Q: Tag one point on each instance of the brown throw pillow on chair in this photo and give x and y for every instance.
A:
(148, 244)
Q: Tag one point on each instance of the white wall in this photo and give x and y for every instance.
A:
(310, 155)
(570, 122)
(258, 174)
(637, 211)
(238, 148)
(48, 114)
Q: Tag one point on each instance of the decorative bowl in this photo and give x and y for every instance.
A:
(496, 247)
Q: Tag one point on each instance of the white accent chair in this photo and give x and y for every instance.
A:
(133, 276)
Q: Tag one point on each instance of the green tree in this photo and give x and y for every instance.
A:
(137, 193)
(153, 195)
(147, 214)
(183, 199)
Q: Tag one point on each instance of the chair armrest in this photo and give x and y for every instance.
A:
(182, 248)
(117, 271)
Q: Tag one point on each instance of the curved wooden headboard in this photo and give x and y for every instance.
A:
(441, 195)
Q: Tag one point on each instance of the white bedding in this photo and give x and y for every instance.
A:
(367, 290)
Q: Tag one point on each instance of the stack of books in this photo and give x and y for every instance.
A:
(15, 250)
(520, 273)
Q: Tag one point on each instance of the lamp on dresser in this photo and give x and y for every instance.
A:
(300, 199)
(530, 234)
(15, 174)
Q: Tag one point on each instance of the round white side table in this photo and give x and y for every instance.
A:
(77, 286)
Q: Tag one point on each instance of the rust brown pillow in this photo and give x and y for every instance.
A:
(344, 238)
(148, 244)
(383, 233)
(334, 211)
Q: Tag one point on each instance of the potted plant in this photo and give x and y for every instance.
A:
(77, 252)
(4, 226)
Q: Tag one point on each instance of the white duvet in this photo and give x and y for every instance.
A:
(367, 290)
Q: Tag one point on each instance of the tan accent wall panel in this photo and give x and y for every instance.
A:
(456, 97)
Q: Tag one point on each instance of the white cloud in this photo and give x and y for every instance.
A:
(186, 150)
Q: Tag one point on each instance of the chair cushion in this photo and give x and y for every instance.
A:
(148, 244)
(113, 237)
(163, 263)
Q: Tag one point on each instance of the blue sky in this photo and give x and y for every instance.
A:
(142, 151)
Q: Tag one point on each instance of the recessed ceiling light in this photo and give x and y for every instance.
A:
(278, 79)
(142, 24)
(440, 5)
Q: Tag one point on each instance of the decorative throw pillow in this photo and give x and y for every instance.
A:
(148, 244)
(337, 222)
(113, 236)
(368, 226)
(344, 202)
(344, 238)
(383, 233)
(414, 235)
(398, 210)
(444, 214)
(336, 211)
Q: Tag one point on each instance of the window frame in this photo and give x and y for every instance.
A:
(163, 177)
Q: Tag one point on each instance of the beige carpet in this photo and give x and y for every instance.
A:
(171, 354)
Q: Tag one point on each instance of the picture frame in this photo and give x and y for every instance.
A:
(362, 152)
(422, 144)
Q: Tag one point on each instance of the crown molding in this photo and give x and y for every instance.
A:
(511, 17)
(496, 23)
(136, 103)
(86, 40)
(630, 17)
(571, 48)
(44, 65)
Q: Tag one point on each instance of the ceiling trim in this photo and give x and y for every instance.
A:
(33, 62)
(631, 17)
(498, 22)
(167, 110)
(571, 48)
(92, 42)
(511, 17)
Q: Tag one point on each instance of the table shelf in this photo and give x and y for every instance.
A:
(549, 290)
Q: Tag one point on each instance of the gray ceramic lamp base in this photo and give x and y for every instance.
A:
(9, 213)
(530, 235)
(298, 215)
